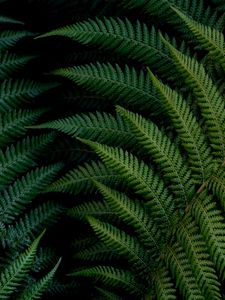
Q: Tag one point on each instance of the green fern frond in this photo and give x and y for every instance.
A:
(132, 40)
(17, 196)
(139, 177)
(22, 232)
(93, 208)
(45, 258)
(7, 20)
(211, 222)
(112, 277)
(15, 93)
(11, 63)
(80, 179)
(180, 267)
(206, 95)
(108, 295)
(101, 127)
(188, 129)
(197, 253)
(12, 276)
(9, 38)
(18, 158)
(124, 244)
(12, 124)
(36, 290)
(134, 214)
(107, 80)
(164, 153)
(165, 289)
(216, 184)
(208, 37)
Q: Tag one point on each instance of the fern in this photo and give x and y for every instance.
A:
(9, 38)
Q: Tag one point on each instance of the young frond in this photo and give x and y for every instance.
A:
(18, 158)
(197, 253)
(207, 97)
(101, 127)
(126, 85)
(80, 179)
(180, 267)
(188, 129)
(164, 152)
(131, 40)
(16, 93)
(124, 244)
(211, 222)
(10, 63)
(13, 124)
(208, 37)
(23, 231)
(134, 214)
(36, 290)
(141, 178)
(112, 277)
(15, 198)
(13, 275)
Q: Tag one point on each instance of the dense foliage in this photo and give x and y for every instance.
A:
(112, 149)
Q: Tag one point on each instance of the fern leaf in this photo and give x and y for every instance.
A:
(135, 215)
(188, 129)
(209, 38)
(23, 191)
(36, 290)
(19, 158)
(9, 38)
(124, 244)
(22, 232)
(11, 63)
(197, 253)
(112, 277)
(211, 223)
(17, 271)
(207, 98)
(139, 177)
(12, 124)
(180, 268)
(80, 179)
(164, 286)
(164, 153)
(15, 93)
(126, 85)
(7, 20)
(216, 184)
(100, 126)
(108, 295)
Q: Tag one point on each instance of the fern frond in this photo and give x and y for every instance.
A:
(18, 158)
(180, 268)
(9, 38)
(10, 63)
(164, 153)
(197, 253)
(206, 95)
(108, 295)
(124, 244)
(132, 40)
(188, 129)
(80, 179)
(93, 208)
(12, 276)
(126, 85)
(139, 177)
(164, 286)
(17, 196)
(23, 231)
(135, 215)
(44, 259)
(8, 20)
(15, 93)
(211, 222)
(216, 183)
(208, 37)
(36, 290)
(112, 277)
(101, 127)
(12, 124)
